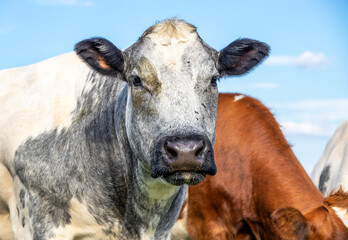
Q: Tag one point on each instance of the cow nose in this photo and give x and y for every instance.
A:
(181, 159)
(185, 155)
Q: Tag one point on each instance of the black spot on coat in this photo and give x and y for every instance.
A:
(324, 177)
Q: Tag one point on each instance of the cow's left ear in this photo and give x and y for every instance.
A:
(241, 56)
(101, 55)
(290, 224)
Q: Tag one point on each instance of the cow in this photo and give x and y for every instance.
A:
(100, 143)
(261, 190)
(331, 171)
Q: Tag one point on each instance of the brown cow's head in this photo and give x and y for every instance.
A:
(320, 224)
(172, 94)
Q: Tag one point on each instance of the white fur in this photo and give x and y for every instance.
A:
(238, 97)
(38, 98)
(34, 99)
(342, 213)
(77, 227)
(335, 155)
(179, 83)
(5, 227)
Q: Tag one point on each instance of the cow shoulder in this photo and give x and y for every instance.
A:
(328, 173)
(38, 98)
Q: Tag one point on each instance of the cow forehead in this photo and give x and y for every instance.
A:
(170, 43)
(173, 54)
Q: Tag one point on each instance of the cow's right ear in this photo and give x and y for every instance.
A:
(290, 224)
(101, 55)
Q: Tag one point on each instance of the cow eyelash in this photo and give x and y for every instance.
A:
(213, 81)
(136, 81)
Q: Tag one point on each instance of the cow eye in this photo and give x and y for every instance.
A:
(136, 81)
(213, 81)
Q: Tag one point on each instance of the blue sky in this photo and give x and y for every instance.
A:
(304, 82)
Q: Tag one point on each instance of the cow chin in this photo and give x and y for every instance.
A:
(180, 178)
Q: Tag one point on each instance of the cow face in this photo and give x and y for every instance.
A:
(172, 94)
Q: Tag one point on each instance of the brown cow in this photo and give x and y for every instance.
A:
(261, 190)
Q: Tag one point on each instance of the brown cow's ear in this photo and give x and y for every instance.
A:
(101, 55)
(241, 56)
(290, 224)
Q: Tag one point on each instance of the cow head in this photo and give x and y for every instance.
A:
(172, 94)
(319, 224)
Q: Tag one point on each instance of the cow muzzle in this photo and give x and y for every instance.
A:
(183, 159)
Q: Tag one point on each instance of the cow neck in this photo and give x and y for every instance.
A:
(148, 202)
(153, 204)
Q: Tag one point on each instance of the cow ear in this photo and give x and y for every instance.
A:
(290, 224)
(101, 55)
(241, 56)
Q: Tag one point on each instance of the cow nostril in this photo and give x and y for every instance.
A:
(171, 153)
(200, 149)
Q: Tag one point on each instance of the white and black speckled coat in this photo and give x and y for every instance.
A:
(78, 157)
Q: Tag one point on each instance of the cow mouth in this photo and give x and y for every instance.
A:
(179, 178)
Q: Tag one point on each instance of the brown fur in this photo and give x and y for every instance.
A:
(103, 63)
(337, 199)
(5, 227)
(261, 190)
(148, 74)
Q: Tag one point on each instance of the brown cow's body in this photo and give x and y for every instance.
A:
(261, 190)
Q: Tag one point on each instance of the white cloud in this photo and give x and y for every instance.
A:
(313, 117)
(327, 109)
(84, 3)
(307, 60)
(305, 129)
(264, 85)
